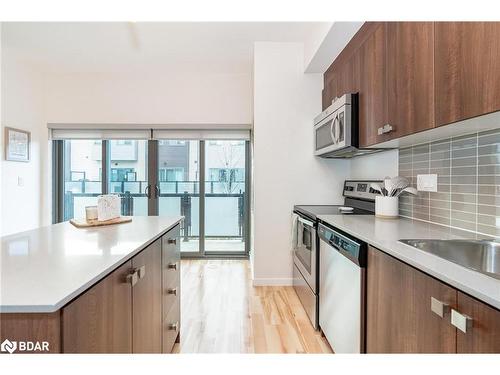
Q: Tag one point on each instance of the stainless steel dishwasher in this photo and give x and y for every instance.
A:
(342, 290)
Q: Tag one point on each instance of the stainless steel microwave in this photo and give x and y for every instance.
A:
(336, 130)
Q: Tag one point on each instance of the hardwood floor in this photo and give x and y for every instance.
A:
(221, 312)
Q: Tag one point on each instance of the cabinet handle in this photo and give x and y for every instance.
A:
(387, 128)
(172, 241)
(172, 291)
(132, 277)
(141, 271)
(172, 266)
(173, 326)
(461, 321)
(439, 308)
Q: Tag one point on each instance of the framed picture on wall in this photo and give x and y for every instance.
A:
(17, 144)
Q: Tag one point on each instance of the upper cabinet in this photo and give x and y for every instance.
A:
(369, 67)
(414, 76)
(467, 69)
(410, 77)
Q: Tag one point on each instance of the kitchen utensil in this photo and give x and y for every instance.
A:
(376, 187)
(398, 183)
(410, 190)
(388, 185)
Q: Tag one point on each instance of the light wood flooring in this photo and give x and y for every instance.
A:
(221, 312)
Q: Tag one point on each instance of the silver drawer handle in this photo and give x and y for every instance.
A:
(172, 291)
(173, 326)
(172, 266)
(132, 277)
(172, 241)
(387, 128)
(439, 308)
(461, 321)
(141, 272)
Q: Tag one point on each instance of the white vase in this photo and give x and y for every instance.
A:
(386, 207)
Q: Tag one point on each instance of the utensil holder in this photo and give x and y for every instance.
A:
(387, 207)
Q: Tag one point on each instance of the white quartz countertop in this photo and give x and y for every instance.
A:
(385, 233)
(43, 269)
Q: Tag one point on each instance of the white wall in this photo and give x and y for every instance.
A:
(285, 171)
(24, 207)
(159, 98)
(375, 166)
(1, 133)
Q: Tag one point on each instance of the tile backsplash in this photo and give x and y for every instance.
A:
(468, 170)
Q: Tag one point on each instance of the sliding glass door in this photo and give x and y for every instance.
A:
(179, 188)
(225, 198)
(206, 181)
(81, 174)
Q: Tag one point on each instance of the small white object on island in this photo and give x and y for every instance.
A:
(108, 207)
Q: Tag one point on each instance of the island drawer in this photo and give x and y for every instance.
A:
(171, 327)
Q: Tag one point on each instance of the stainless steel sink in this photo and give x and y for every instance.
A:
(479, 255)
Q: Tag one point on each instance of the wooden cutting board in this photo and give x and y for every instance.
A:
(82, 223)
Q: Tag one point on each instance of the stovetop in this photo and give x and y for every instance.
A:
(312, 211)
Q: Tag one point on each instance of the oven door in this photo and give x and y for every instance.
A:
(304, 255)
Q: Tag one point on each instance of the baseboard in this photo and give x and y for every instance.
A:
(273, 282)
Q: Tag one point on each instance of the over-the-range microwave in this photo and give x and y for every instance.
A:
(336, 130)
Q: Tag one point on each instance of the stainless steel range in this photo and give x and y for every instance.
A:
(359, 199)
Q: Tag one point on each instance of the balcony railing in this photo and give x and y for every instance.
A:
(217, 193)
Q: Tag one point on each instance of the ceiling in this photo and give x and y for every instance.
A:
(213, 47)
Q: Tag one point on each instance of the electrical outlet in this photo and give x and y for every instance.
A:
(427, 182)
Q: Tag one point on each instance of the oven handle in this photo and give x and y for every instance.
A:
(306, 222)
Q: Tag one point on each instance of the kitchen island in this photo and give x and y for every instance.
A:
(96, 290)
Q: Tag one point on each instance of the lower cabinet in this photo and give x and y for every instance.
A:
(146, 306)
(135, 309)
(409, 311)
(171, 258)
(482, 326)
(100, 320)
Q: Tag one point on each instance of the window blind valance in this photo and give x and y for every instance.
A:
(143, 131)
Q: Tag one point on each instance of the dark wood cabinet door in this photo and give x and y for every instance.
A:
(483, 336)
(399, 315)
(467, 70)
(100, 320)
(410, 78)
(369, 66)
(147, 297)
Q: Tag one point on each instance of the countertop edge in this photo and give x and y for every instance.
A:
(457, 284)
(49, 309)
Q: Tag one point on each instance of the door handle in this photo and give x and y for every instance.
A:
(172, 291)
(157, 191)
(461, 321)
(147, 191)
(172, 241)
(439, 308)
